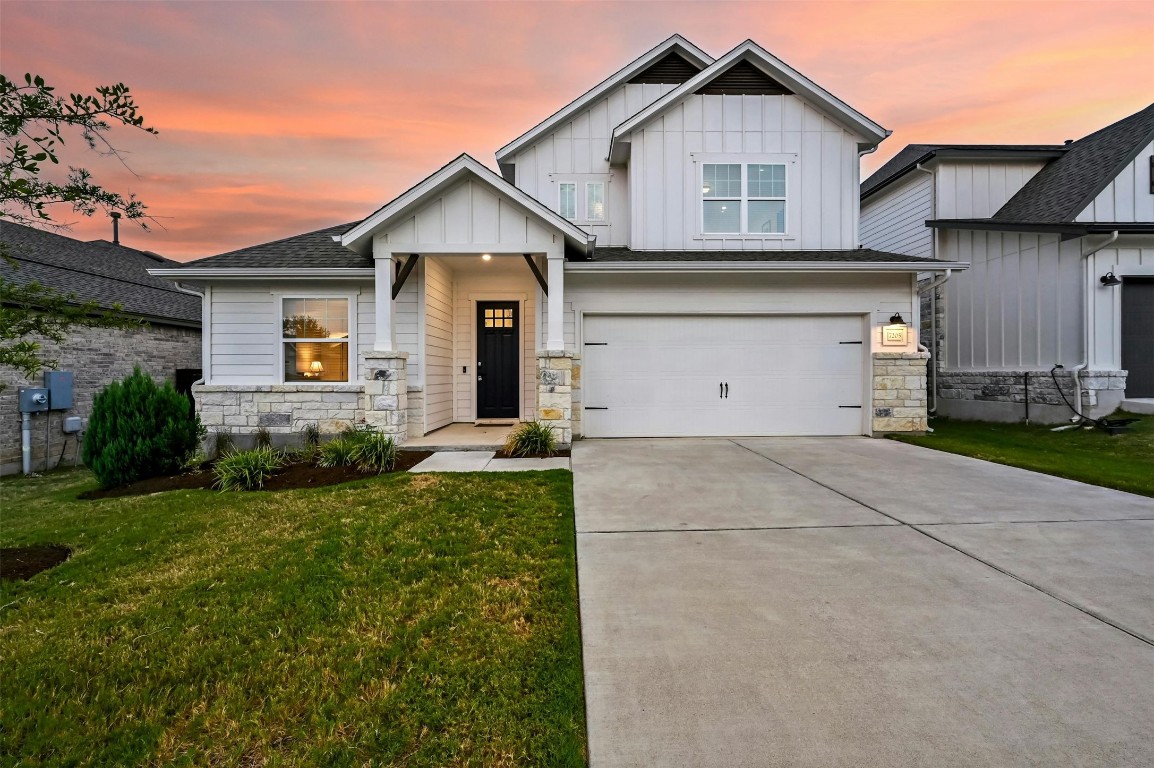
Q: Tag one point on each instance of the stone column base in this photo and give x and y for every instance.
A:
(555, 393)
(387, 393)
(899, 392)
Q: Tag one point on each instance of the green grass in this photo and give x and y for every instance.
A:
(1124, 462)
(407, 620)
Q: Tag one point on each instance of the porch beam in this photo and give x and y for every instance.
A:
(537, 273)
(404, 274)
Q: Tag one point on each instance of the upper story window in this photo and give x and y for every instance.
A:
(315, 339)
(743, 198)
(583, 198)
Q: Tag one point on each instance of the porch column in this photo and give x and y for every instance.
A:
(383, 305)
(555, 333)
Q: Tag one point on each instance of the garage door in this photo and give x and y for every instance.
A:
(715, 375)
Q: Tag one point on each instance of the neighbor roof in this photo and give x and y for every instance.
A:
(311, 250)
(1063, 189)
(96, 271)
(906, 160)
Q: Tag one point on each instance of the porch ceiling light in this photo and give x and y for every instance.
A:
(486, 257)
(1108, 279)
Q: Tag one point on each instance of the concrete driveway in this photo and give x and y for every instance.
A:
(857, 602)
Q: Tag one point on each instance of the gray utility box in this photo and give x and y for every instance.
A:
(59, 385)
(33, 399)
(71, 425)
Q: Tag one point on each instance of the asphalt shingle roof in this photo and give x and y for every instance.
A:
(312, 250)
(96, 271)
(856, 256)
(904, 161)
(1063, 189)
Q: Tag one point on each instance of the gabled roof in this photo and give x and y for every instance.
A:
(777, 70)
(311, 250)
(1063, 189)
(909, 158)
(359, 237)
(675, 44)
(96, 271)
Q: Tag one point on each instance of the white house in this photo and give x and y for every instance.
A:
(673, 253)
(1060, 239)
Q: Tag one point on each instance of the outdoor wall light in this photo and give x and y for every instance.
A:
(1108, 279)
(894, 333)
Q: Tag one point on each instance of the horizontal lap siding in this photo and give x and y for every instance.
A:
(438, 345)
(895, 220)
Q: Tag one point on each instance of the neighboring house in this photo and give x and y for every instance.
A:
(166, 345)
(674, 253)
(1060, 239)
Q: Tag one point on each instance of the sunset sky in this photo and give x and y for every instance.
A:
(276, 118)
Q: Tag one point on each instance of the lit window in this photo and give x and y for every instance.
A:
(729, 206)
(595, 201)
(315, 337)
(568, 202)
(499, 318)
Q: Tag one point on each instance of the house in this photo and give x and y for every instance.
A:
(166, 344)
(673, 253)
(1060, 239)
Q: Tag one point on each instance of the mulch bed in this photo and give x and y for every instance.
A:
(288, 477)
(502, 454)
(22, 563)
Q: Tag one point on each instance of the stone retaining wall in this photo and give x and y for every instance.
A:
(899, 392)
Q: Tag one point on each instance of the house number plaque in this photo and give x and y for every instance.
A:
(894, 335)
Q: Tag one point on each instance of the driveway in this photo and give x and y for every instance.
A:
(857, 602)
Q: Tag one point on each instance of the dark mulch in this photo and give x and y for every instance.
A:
(502, 454)
(288, 477)
(22, 563)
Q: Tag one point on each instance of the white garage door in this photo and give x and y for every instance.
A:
(716, 375)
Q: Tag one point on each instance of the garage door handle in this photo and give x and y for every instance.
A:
(727, 390)
(850, 406)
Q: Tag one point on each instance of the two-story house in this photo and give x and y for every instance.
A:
(1060, 239)
(673, 253)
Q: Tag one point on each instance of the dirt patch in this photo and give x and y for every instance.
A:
(502, 454)
(288, 477)
(22, 563)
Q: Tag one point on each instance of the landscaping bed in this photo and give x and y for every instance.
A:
(296, 474)
(22, 563)
(503, 454)
(416, 620)
(1124, 462)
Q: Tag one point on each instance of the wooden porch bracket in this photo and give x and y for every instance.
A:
(403, 275)
(537, 273)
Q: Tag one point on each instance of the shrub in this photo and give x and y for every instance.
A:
(531, 439)
(137, 430)
(247, 470)
(262, 438)
(222, 443)
(337, 453)
(311, 435)
(374, 451)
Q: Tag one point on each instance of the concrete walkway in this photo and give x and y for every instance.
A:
(845, 602)
(483, 461)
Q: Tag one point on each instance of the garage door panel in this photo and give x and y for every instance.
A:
(659, 376)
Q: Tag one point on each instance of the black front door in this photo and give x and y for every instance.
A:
(1138, 335)
(498, 359)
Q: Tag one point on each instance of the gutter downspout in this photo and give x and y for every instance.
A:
(933, 383)
(1086, 286)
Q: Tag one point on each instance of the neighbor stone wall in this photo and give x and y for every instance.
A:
(555, 392)
(1001, 395)
(96, 357)
(899, 392)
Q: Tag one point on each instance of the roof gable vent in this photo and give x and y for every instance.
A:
(671, 69)
(743, 79)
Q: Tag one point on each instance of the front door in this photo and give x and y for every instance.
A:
(498, 359)
(1138, 335)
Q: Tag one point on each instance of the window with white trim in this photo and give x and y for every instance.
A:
(583, 198)
(743, 198)
(595, 201)
(315, 339)
(567, 201)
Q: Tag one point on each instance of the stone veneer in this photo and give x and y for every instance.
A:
(1000, 395)
(386, 398)
(899, 392)
(555, 380)
(282, 409)
(96, 357)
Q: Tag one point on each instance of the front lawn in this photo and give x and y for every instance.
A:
(1124, 462)
(408, 620)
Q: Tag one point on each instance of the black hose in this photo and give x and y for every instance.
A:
(1101, 423)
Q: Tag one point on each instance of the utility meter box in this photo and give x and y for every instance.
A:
(33, 399)
(59, 386)
(72, 425)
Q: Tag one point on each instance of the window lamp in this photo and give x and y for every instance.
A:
(595, 201)
(315, 339)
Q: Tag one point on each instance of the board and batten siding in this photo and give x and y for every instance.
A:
(580, 147)
(976, 189)
(243, 322)
(1130, 256)
(895, 220)
(438, 382)
(1128, 197)
(665, 192)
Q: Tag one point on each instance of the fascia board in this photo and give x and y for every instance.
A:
(765, 266)
(247, 273)
(777, 69)
(674, 43)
